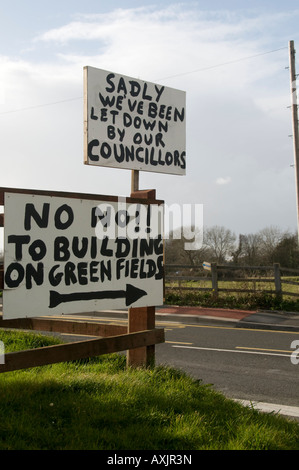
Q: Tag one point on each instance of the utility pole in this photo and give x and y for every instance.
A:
(294, 107)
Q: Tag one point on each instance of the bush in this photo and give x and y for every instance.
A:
(255, 301)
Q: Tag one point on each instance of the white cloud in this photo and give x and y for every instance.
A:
(171, 40)
(222, 181)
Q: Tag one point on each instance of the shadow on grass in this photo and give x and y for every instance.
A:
(86, 406)
(99, 404)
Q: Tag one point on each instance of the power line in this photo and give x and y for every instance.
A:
(41, 105)
(224, 63)
(164, 78)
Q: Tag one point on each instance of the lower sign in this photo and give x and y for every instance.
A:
(71, 255)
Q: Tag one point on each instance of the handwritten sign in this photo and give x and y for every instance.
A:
(133, 124)
(68, 255)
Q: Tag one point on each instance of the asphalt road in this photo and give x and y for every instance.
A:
(246, 364)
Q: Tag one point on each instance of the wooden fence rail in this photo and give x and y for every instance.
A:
(80, 350)
(215, 279)
(109, 339)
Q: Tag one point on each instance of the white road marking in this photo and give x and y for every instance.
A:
(233, 351)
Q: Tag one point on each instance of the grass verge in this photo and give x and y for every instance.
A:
(100, 404)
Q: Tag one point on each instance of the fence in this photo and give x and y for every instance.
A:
(226, 279)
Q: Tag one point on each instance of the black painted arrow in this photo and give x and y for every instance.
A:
(131, 294)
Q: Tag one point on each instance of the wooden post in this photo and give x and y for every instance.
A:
(142, 318)
(294, 107)
(277, 280)
(214, 279)
(134, 181)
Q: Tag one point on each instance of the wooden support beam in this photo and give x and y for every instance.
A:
(139, 319)
(134, 180)
(64, 326)
(79, 350)
(146, 194)
(142, 318)
(93, 197)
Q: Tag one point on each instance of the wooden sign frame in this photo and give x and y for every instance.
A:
(138, 338)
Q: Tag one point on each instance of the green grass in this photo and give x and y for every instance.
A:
(100, 404)
(249, 283)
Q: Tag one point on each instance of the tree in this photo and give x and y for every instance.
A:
(286, 252)
(270, 237)
(269, 245)
(175, 252)
(259, 248)
(249, 249)
(221, 242)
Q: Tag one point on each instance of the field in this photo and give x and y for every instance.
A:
(247, 294)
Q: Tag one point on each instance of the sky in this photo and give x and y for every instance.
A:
(230, 57)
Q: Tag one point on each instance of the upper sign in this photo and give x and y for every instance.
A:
(68, 255)
(133, 124)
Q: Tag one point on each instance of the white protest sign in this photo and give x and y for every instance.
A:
(68, 255)
(133, 124)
